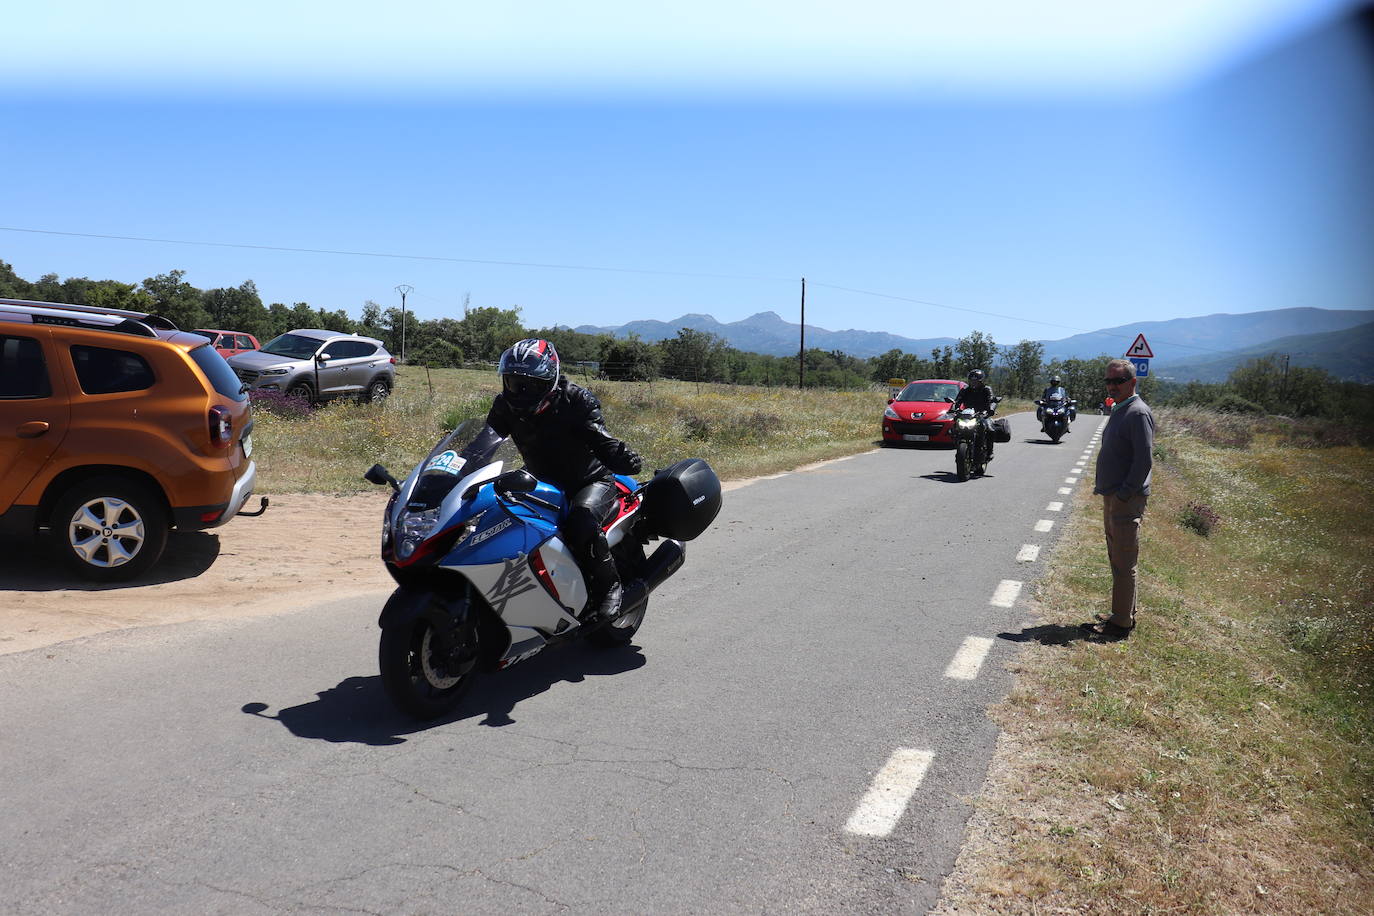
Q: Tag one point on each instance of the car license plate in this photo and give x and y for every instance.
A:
(247, 446)
(910, 437)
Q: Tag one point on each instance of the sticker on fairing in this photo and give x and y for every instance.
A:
(493, 530)
(446, 463)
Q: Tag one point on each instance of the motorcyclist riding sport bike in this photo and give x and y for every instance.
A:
(559, 430)
(979, 397)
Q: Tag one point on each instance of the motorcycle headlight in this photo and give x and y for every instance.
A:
(891, 414)
(415, 527)
(967, 423)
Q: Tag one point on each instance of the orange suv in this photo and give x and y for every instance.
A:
(114, 428)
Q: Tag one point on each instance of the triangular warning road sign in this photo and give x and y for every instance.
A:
(1140, 349)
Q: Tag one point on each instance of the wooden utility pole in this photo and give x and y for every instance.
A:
(801, 353)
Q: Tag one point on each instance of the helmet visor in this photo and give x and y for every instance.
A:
(523, 392)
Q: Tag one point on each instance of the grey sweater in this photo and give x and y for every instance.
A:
(1127, 454)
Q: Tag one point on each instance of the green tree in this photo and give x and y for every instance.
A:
(1023, 362)
(697, 356)
(942, 362)
(488, 332)
(630, 360)
(976, 351)
(173, 298)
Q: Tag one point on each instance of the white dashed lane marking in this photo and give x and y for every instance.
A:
(1005, 595)
(1055, 507)
(1064, 491)
(1027, 553)
(1071, 480)
(969, 659)
(1044, 525)
(884, 803)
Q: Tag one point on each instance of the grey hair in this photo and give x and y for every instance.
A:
(1122, 365)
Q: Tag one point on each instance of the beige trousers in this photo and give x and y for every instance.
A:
(1121, 524)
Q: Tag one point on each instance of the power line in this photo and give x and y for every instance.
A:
(547, 266)
(404, 257)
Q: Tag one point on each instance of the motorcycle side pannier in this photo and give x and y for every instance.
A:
(1000, 427)
(683, 500)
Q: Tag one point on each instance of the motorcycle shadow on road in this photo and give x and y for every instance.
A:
(357, 710)
(30, 567)
(952, 477)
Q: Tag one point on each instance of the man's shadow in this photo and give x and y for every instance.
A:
(357, 709)
(1049, 634)
(30, 566)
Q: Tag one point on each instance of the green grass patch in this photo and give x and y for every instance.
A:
(1221, 760)
(742, 431)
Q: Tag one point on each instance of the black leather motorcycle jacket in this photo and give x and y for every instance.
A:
(978, 398)
(566, 444)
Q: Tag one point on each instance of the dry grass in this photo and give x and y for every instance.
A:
(742, 431)
(1221, 760)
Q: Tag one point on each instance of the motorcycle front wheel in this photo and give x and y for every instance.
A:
(961, 462)
(419, 679)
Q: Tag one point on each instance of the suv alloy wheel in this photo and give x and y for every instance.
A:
(109, 529)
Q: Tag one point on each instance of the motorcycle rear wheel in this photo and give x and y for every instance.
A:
(416, 678)
(961, 462)
(621, 631)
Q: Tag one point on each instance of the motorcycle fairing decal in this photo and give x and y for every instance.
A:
(525, 648)
(515, 579)
(448, 462)
(481, 536)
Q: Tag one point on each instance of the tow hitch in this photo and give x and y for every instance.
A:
(262, 507)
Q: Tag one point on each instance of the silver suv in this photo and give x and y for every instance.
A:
(319, 366)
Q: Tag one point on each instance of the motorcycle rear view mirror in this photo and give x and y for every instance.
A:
(518, 481)
(378, 475)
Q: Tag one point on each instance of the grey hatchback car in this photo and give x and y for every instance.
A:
(319, 366)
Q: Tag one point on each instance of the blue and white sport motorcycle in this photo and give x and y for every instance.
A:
(484, 579)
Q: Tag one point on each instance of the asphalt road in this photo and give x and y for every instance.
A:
(798, 729)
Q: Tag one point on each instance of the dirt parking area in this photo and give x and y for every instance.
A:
(306, 548)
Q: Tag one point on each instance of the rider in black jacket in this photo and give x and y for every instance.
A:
(978, 396)
(561, 435)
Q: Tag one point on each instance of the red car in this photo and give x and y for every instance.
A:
(918, 412)
(229, 342)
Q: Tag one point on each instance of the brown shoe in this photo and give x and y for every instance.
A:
(1107, 629)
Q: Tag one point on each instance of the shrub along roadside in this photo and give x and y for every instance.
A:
(1221, 760)
(742, 431)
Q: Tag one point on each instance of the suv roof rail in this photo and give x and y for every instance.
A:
(152, 321)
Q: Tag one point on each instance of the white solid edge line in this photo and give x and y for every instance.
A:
(1006, 593)
(1044, 525)
(1027, 553)
(885, 801)
(969, 659)
(1055, 507)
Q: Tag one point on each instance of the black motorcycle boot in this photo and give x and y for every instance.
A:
(604, 591)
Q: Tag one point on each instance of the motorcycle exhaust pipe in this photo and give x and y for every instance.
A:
(661, 564)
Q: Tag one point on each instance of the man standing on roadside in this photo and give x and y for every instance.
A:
(1124, 462)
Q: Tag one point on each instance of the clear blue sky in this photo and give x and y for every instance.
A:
(1070, 170)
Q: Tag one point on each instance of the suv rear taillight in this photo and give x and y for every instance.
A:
(393, 360)
(221, 427)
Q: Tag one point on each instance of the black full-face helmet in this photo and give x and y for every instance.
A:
(975, 378)
(529, 374)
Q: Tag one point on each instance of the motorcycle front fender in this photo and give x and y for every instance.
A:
(406, 604)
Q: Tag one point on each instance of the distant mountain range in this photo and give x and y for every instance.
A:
(1206, 348)
(1347, 354)
(768, 333)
